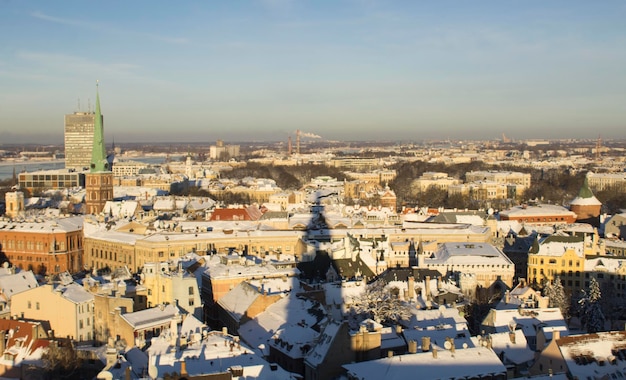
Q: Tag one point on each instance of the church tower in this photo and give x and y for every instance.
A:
(14, 204)
(586, 206)
(99, 180)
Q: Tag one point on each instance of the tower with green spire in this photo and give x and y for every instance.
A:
(99, 180)
(98, 152)
(586, 206)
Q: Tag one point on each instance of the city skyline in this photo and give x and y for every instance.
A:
(350, 70)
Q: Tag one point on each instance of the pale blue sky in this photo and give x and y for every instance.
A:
(350, 70)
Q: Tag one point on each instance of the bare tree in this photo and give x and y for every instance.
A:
(380, 303)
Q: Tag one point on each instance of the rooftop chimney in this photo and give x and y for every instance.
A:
(427, 288)
(425, 343)
(411, 285)
(183, 368)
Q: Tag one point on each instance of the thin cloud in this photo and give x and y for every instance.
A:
(71, 62)
(104, 28)
(63, 21)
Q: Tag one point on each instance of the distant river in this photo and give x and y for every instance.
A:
(6, 168)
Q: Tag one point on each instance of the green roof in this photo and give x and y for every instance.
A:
(99, 161)
(585, 191)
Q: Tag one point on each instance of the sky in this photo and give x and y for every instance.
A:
(198, 71)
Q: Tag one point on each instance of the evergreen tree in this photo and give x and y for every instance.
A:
(556, 293)
(548, 291)
(591, 315)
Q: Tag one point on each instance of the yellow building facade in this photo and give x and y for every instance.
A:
(561, 256)
(70, 309)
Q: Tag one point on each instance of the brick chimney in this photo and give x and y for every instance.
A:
(183, 368)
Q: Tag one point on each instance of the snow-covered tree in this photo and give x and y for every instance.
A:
(557, 297)
(379, 303)
(591, 315)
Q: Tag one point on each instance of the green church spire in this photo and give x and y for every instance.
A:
(99, 161)
(585, 191)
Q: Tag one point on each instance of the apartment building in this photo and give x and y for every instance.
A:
(68, 307)
(559, 255)
(482, 262)
(501, 177)
(164, 285)
(437, 179)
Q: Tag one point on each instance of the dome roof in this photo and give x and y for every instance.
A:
(585, 197)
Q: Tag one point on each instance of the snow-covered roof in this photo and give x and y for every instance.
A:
(121, 209)
(539, 210)
(215, 268)
(294, 341)
(390, 339)
(590, 201)
(463, 253)
(511, 348)
(595, 356)
(44, 225)
(237, 301)
(155, 316)
(439, 325)
(215, 353)
(287, 312)
(341, 293)
(75, 293)
(554, 245)
(324, 342)
(528, 320)
(460, 364)
(476, 220)
(17, 283)
(604, 264)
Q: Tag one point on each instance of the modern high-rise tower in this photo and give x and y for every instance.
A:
(79, 139)
(99, 180)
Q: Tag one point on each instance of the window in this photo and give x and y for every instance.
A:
(29, 305)
(37, 305)
(191, 290)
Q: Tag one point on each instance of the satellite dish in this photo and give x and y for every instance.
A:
(447, 345)
(153, 371)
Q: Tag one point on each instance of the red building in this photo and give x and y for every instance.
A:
(539, 215)
(45, 246)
